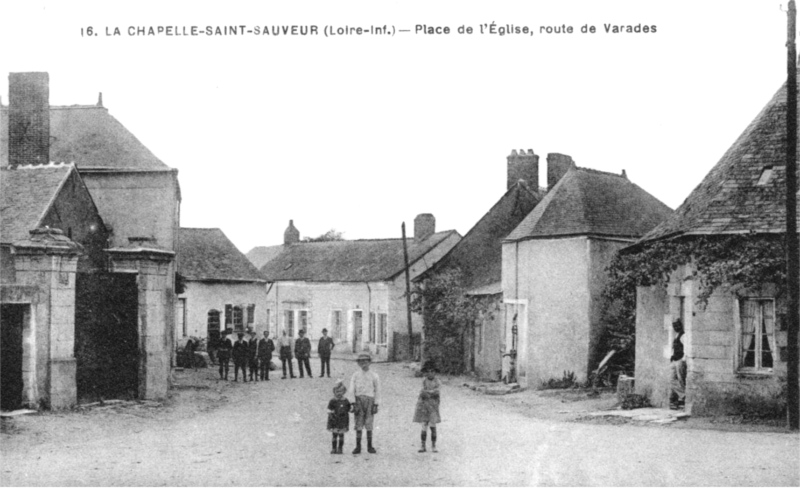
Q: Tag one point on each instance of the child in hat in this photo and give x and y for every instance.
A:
(338, 416)
(366, 388)
(427, 411)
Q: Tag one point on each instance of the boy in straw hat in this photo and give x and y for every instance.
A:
(365, 386)
(338, 417)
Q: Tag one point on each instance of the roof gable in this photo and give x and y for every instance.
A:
(26, 194)
(208, 255)
(591, 202)
(348, 260)
(479, 253)
(90, 137)
(261, 255)
(730, 199)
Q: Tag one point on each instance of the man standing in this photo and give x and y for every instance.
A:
(285, 343)
(224, 354)
(677, 366)
(252, 356)
(324, 349)
(265, 348)
(366, 388)
(191, 346)
(240, 358)
(302, 351)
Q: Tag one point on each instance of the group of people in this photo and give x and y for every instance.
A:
(365, 385)
(255, 355)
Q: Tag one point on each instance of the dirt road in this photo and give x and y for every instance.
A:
(218, 433)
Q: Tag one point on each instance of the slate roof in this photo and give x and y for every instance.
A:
(348, 261)
(729, 200)
(208, 255)
(261, 255)
(594, 203)
(479, 254)
(26, 194)
(91, 137)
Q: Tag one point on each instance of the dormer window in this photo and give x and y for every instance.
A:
(766, 174)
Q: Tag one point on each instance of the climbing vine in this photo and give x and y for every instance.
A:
(718, 262)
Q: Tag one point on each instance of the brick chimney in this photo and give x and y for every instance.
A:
(291, 235)
(424, 226)
(28, 118)
(523, 166)
(557, 167)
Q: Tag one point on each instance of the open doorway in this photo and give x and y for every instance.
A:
(11, 383)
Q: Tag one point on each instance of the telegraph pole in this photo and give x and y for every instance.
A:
(792, 247)
(408, 296)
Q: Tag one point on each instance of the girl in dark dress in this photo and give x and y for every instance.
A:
(338, 416)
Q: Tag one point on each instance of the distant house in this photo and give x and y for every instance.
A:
(261, 255)
(138, 198)
(50, 230)
(222, 289)
(354, 288)
(735, 344)
(553, 270)
(478, 258)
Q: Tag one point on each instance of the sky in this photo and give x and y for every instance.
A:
(360, 133)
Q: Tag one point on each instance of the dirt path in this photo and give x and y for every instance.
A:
(217, 433)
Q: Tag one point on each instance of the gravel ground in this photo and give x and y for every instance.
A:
(212, 433)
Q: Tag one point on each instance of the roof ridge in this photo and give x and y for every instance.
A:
(49, 165)
(597, 171)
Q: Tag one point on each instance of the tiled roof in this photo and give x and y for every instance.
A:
(261, 255)
(591, 202)
(208, 255)
(479, 254)
(348, 261)
(730, 200)
(90, 137)
(26, 193)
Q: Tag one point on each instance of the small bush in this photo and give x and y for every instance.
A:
(567, 381)
(633, 400)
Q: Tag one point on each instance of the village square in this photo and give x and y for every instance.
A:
(579, 331)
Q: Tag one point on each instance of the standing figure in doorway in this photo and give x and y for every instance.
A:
(677, 367)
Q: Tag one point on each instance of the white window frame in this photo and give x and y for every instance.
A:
(302, 314)
(739, 356)
(289, 328)
(382, 328)
(335, 326)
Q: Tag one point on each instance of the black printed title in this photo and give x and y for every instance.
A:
(490, 29)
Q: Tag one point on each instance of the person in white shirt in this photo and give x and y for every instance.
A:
(366, 388)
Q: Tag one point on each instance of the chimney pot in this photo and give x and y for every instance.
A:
(424, 226)
(100, 99)
(557, 167)
(522, 166)
(291, 235)
(28, 118)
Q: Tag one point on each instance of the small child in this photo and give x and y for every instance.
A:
(427, 411)
(338, 416)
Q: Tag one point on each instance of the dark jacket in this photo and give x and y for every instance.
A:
(265, 348)
(325, 347)
(252, 348)
(224, 349)
(240, 351)
(302, 348)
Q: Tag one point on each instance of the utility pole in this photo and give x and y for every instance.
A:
(408, 296)
(792, 247)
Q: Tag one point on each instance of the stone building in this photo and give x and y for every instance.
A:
(353, 288)
(735, 344)
(478, 259)
(221, 288)
(553, 269)
(124, 303)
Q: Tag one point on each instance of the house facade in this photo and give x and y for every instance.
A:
(477, 258)
(137, 197)
(353, 288)
(553, 271)
(735, 344)
(221, 288)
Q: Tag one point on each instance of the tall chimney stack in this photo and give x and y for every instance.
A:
(291, 235)
(523, 166)
(28, 118)
(557, 167)
(424, 226)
